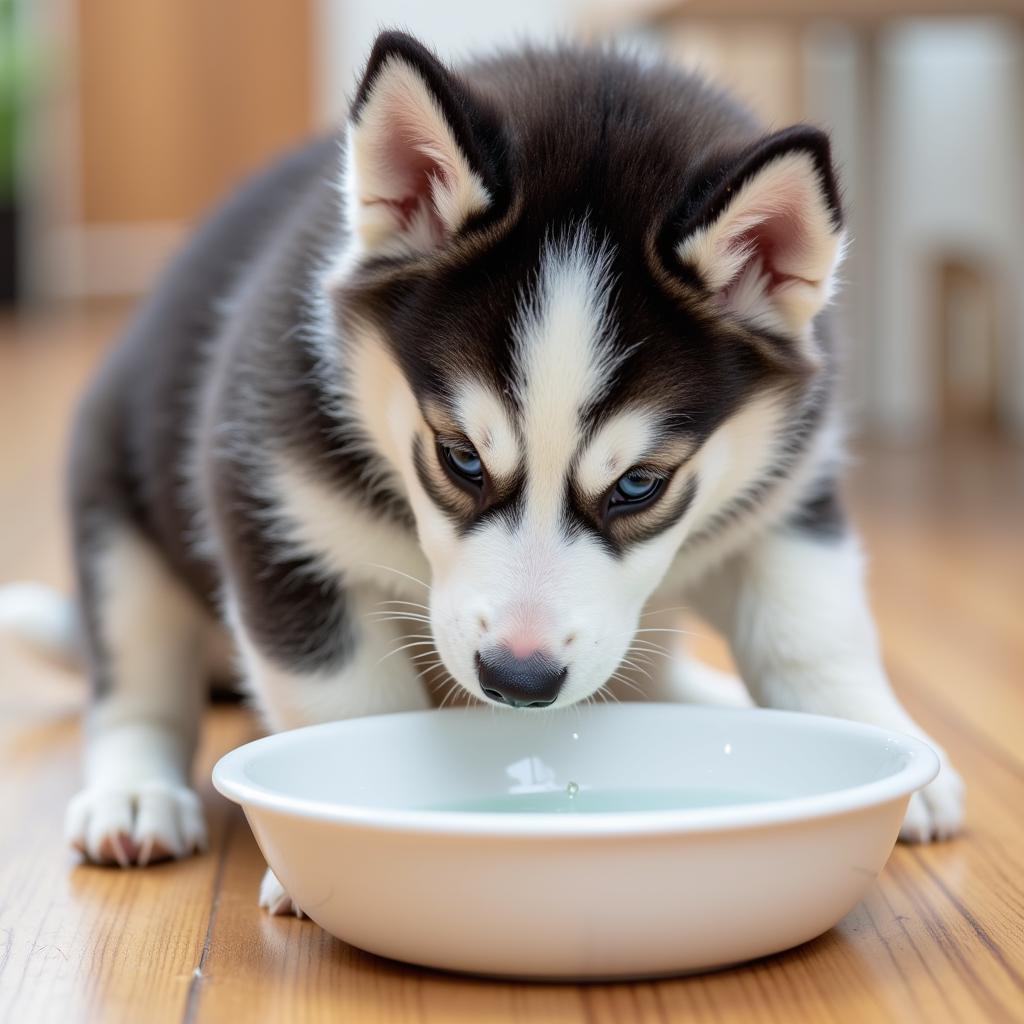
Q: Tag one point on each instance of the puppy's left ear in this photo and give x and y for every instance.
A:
(768, 237)
(419, 160)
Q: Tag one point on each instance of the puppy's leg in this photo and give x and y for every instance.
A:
(145, 634)
(795, 611)
(366, 674)
(690, 681)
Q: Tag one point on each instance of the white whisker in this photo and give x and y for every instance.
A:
(386, 617)
(635, 666)
(422, 616)
(627, 682)
(398, 572)
(666, 629)
(650, 653)
(665, 611)
(422, 654)
(451, 691)
(642, 656)
(405, 647)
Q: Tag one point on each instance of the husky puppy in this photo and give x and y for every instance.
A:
(534, 343)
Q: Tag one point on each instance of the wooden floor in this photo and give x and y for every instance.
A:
(939, 938)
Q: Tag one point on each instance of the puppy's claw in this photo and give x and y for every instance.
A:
(135, 826)
(124, 849)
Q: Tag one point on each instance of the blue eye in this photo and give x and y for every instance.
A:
(463, 461)
(636, 487)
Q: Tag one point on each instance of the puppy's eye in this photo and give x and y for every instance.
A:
(638, 488)
(463, 462)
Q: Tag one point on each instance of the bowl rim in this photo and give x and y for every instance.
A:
(921, 765)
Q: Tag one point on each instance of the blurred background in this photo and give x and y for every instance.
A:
(121, 121)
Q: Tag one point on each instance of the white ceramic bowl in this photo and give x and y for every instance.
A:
(344, 815)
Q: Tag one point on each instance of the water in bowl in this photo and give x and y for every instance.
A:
(576, 799)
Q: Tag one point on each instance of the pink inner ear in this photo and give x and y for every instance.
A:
(412, 175)
(778, 242)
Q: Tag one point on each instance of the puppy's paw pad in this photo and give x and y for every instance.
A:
(136, 825)
(274, 899)
(937, 812)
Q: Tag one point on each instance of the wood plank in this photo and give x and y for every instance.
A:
(83, 942)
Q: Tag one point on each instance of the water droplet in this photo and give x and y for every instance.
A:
(571, 790)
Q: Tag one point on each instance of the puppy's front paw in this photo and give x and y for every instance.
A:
(272, 896)
(937, 812)
(137, 825)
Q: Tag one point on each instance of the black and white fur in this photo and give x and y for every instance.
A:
(568, 261)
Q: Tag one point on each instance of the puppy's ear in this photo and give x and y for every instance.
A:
(417, 167)
(768, 237)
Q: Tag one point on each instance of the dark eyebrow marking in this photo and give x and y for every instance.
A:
(446, 501)
(440, 420)
(626, 530)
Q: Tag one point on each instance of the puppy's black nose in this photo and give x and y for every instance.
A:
(531, 682)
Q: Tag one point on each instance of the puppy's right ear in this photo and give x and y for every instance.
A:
(418, 168)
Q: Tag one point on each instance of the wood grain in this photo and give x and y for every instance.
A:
(939, 938)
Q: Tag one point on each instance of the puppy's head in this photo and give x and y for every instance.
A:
(579, 299)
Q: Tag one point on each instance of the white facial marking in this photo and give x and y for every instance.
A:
(562, 364)
(619, 444)
(486, 423)
(385, 408)
(736, 454)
